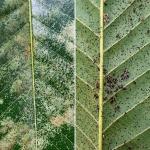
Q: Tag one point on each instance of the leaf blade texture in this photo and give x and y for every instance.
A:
(126, 59)
(126, 69)
(87, 71)
(53, 49)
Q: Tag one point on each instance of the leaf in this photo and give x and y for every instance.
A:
(126, 59)
(87, 61)
(36, 76)
(126, 67)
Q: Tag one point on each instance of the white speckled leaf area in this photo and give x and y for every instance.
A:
(37, 79)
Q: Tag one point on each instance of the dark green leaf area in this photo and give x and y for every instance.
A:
(55, 49)
(62, 140)
(7, 7)
(16, 147)
(9, 25)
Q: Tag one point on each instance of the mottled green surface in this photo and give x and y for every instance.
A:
(53, 45)
(127, 61)
(127, 81)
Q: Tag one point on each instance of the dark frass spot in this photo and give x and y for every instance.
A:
(97, 85)
(134, 82)
(105, 71)
(118, 36)
(112, 100)
(148, 31)
(96, 96)
(129, 148)
(124, 88)
(117, 108)
(105, 2)
(94, 61)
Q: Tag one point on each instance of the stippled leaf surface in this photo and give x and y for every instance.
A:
(126, 119)
(87, 81)
(127, 80)
(53, 46)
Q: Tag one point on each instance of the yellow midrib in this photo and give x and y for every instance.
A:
(101, 78)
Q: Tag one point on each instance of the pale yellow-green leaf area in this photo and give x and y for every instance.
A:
(127, 75)
(88, 70)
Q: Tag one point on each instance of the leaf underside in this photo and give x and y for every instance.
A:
(87, 70)
(126, 120)
(53, 45)
(127, 90)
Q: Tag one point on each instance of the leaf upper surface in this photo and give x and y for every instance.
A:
(53, 49)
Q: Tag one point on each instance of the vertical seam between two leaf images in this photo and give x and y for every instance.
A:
(32, 68)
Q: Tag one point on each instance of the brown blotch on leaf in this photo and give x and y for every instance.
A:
(27, 53)
(67, 117)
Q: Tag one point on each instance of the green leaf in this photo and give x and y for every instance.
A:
(87, 71)
(127, 90)
(36, 83)
(127, 74)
